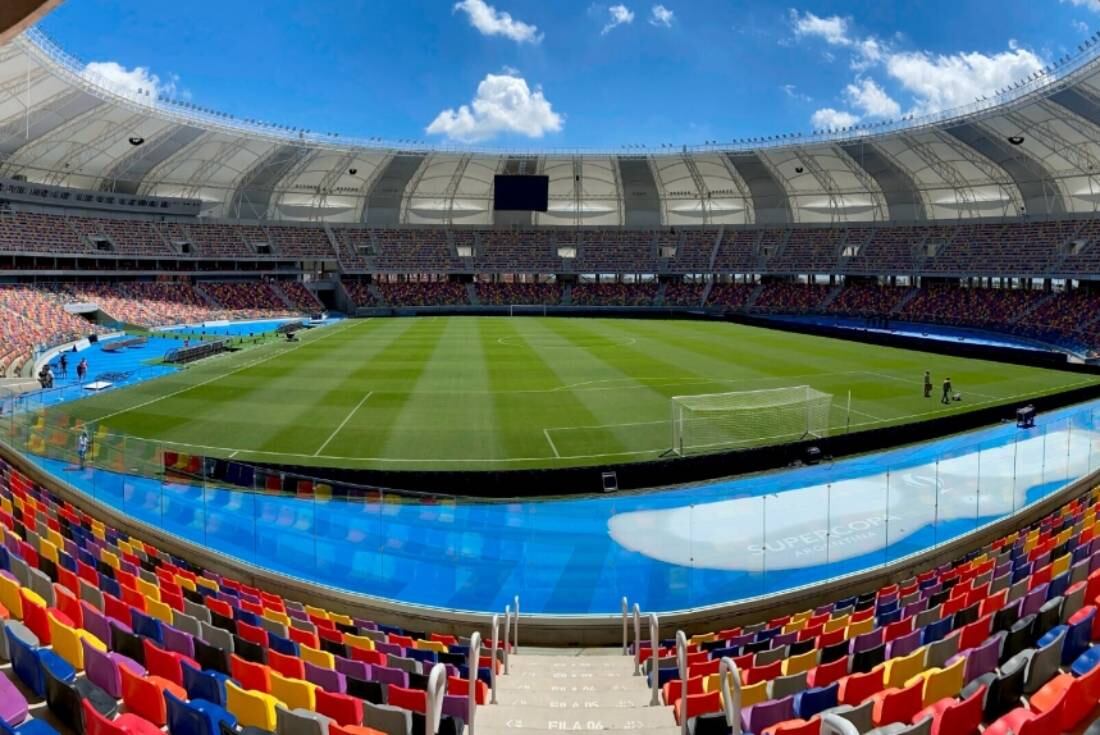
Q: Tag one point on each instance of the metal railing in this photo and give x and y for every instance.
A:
(472, 664)
(729, 679)
(437, 690)
(655, 660)
(682, 669)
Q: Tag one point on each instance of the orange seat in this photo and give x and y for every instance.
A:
(855, 688)
(697, 704)
(341, 708)
(144, 696)
(1023, 721)
(795, 727)
(251, 675)
(1076, 695)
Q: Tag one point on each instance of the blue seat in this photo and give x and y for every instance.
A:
(279, 644)
(809, 702)
(417, 654)
(1058, 586)
(24, 661)
(147, 626)
(245, 616)
(1086, 662)
(197, 717)
(208, 685)
(109, 586)
(1078, 636)
(937, 630)
(29, 726)
(889, 617)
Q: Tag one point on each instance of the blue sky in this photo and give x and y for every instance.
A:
(565, 74)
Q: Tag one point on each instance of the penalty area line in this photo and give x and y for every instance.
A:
(546, 433)
(343, 423)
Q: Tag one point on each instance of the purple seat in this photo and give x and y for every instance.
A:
(96, 623)
(904, 645)
(455, 706)
(390, 649)
(102, 669)
(784, 639)
(914, 607)
(759, 716)
(386, 675)
(177, 641)
(984, 658)
(327, 679)
(358, 669)
(295, 613)
(741, 640)
(13, 705)
(865, 641)
(1034, 600)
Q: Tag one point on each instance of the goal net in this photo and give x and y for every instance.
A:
(748, 418)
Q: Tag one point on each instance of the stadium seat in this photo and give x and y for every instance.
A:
(251, 708)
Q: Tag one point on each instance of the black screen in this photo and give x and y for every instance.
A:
(521, 193)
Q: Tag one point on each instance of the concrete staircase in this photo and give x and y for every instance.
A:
(573, 691)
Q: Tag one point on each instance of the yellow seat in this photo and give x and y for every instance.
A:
(794, 626)
(148, 589)
(47, 549)
(754, 694)
(941, 683)
(10, 597)
(184, 582)
(859, 628)
(294, 693)
(109, 558)
(251, 708)
(436, 646)
(703, 638)
(316, 657)
(341, 619)
(319, 612)
(207, 583)
(276, 616)
(836, 624)
(66, 642)
(359, 641)
(897, 671)
(1060, 565)
(159, 610)
(801, 662)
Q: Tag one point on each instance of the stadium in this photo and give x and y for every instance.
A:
(312, 435)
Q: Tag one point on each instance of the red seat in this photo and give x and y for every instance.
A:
(855, 688)
(126, 724)
(898, 705)
(795, 727)
(165, 664)
(825, 674)
(289, 666)
(343, 709)
(1077, 696)
(460, 687)
(697, 704)
(250, 675)
(952, 717)
(414, 700)
(1022, 721)
(144, 696)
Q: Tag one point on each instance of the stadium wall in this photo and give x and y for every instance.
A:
(549, 630)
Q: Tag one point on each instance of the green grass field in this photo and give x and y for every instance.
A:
(498, 392)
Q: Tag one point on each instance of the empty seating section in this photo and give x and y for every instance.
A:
(114, 636)
(31, 318)
(415, 251)
(614, 294)
(30, 232)
(246, 299)
(1005, 635)
(299, 296)
(867, 300)
(505, 251)
(503, 294)
(616, 251)
(129, 237)
(300, 242)
(217, 241)
(810, 251)
(684, 294)
(351, 244)
(730, 295)
(791, 298)
(979, 307)
(360, 294)
(434, 293)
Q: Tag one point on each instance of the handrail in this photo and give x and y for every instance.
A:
(626, 647)
(832, 724)
(731, 700)
(472, 664)
(655, 659)
(682, 666)
(515, 633)
(493, 659)
(637, 640)
(437, 690)
(507, 627)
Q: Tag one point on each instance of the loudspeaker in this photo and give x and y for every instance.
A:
(610, 482)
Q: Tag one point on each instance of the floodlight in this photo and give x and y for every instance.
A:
(136, 140)
(1015, 139)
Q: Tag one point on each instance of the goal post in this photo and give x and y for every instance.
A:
(748, 418)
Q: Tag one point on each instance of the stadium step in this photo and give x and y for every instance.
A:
(596, 690)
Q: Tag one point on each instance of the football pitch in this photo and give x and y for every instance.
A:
(522, 392)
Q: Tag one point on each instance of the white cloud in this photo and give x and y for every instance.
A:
(1081, 26)
(138, 81)
(492, 22)
(833, 29)
(620, 15)
(866, 95)
(943, 81)
(792, 92)
(504, 104)
(1093, 5)
(661, 16)
(829, 119)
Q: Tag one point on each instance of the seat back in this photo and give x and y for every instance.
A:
(97, 724)
(142, 697)
(387, 719)
(300, 722)
(252, 709)
(1043, 665)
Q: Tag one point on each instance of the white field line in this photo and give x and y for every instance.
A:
(550, 441)
(216, 378)
(343, 423)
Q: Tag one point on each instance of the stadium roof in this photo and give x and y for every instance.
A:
(1034, 150)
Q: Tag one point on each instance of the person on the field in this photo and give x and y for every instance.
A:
(63, 363)
(82, 447)
(927, 384)
(946, 391)
(81, 369)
